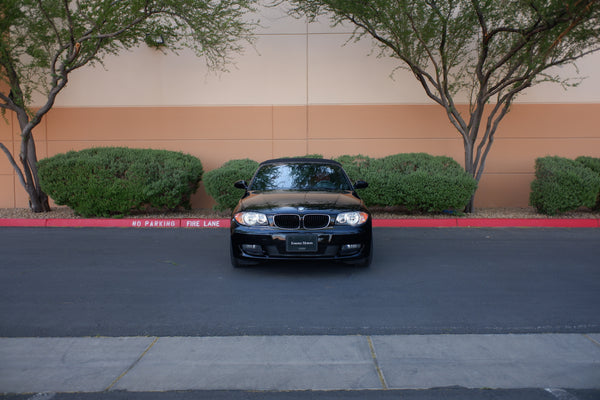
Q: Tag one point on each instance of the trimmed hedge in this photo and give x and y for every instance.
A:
(114, 181)
(416, 181)
(219, 182)
(562, 185)
(592, 163)
(370, 170)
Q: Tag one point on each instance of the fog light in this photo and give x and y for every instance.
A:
(252, 249)
(350, 249)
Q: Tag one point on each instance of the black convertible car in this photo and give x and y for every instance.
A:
(300, 209)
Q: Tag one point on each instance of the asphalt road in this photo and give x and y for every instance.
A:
(178, 282)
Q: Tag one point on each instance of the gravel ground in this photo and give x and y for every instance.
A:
(385, 213)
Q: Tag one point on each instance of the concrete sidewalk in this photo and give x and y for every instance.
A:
(34, 365)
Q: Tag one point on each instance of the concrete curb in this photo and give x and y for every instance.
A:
(291, 363)
(202, 223)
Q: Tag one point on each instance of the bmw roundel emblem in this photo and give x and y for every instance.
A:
(301, 208)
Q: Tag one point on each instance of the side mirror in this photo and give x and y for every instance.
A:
(241, 185)
(361, 185)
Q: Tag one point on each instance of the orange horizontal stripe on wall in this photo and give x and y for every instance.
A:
(217, 134)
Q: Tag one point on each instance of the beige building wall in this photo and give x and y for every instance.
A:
(300, 89)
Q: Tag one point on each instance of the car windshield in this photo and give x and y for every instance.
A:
(300, 176)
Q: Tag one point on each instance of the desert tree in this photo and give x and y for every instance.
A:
(43, 41)
(481, 52)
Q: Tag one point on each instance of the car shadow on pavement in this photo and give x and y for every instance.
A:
(314, 268)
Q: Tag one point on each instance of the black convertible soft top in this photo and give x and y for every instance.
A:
(300, 160)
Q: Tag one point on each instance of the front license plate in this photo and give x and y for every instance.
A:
(301, 243)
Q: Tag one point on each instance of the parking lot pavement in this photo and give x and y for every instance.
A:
(93, 364)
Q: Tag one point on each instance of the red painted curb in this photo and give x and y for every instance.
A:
(23, 222)
(201, 223)
(414, 223)
(528, 222)
(138, 223)
(88, 223)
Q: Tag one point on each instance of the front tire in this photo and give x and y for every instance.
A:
(365, 262)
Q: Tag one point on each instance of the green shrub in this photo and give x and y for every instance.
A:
(219, 182)
(416, 181)
(306, 156)
(592, 163)
(430, 183)
(368, 169)
(437, 192)
(114, 181)
(355, 165)
(562, 185)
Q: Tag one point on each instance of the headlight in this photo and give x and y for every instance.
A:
(353, 218)
(250, 218)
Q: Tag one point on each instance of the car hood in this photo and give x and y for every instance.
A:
(289, 201)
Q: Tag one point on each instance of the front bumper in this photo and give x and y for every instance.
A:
(332, 243)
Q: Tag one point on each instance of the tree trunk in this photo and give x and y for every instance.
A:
(38, 201)
(469, 168)
(470, 206)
